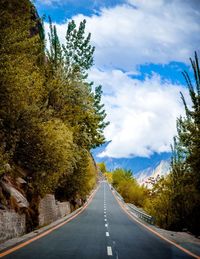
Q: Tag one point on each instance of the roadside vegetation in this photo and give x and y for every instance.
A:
(174, 201)
(50, 114)
(125, 183)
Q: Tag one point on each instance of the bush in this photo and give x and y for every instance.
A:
(46, 150)
(128, 187)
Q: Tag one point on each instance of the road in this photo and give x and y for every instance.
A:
(102, 230)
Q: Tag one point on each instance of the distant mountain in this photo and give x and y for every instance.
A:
(145, 169)
(150, 175)
(136, 164)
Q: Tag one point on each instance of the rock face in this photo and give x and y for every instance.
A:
(20, 199)
(51, 210)
(11, 225)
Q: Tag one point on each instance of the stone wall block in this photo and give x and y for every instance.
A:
(11, 225)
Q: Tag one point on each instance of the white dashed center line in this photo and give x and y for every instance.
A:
(107, 234)
(109, 250)
(105, 219)
(106, 225)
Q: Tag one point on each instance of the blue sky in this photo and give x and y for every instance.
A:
(141, 48)
(62, 10)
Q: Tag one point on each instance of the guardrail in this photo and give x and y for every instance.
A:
(118, 195)
(141, 215)
(149, 219)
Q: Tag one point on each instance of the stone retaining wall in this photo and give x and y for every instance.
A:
(51, 210)
(11, 225)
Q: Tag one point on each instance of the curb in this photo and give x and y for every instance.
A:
(16, 243)
(133, 217)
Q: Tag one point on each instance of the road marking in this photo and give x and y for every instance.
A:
(105, 219)
(109, 250)
(105, 216)
(25, 243)
(107, 234)
(155, 232)
(106, 225)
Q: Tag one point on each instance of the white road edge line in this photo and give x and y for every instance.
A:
(107, 234)
(109, 251)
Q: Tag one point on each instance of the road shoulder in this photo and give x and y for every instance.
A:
(14, 244)
(182, 240)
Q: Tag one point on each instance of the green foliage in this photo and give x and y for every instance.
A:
(128, 187)
(109, 177)
(49, 116)
(100, 115)
(69, 94)
(46, 150)
(54, 53)
(78, 52)
(102, 167)
(21, 77)
(81, 181)
(175, 201)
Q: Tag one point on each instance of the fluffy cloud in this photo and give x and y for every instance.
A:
(142, 113)
(143, 31)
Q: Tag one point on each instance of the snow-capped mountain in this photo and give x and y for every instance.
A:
(151, 175)
(145, 169)
(144, 166)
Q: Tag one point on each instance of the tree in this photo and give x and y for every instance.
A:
(69, 94)
(175, 201)
(47, 152)
(49, 115)
(78, 51)
(54, 53)
(100, 114)
(189, 127)
(102, 167)
(128, 187)
(21, 79)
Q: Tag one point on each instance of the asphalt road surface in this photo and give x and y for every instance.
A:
(102, 230)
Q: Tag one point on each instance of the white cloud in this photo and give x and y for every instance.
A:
(48, 2)
(143, 31)
(142, 114)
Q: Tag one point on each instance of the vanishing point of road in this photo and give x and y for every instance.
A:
(102, 230)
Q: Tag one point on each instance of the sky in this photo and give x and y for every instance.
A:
(142, 46)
